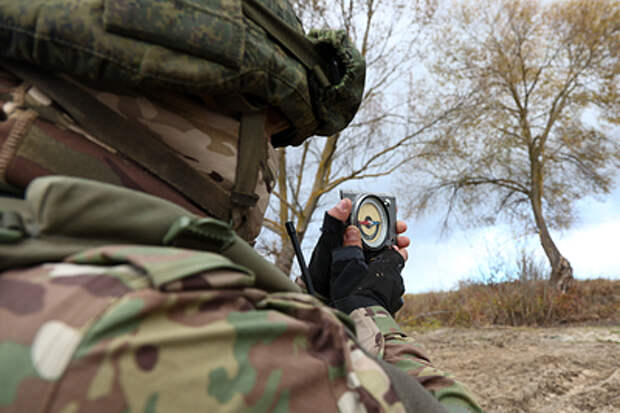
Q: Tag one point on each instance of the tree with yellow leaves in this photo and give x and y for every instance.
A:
(536, 86)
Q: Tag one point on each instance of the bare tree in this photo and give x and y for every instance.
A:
(536, 128)
(387, 32)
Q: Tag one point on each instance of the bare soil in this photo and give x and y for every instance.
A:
(547, 370)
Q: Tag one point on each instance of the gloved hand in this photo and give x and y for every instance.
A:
(356, 284)
(329, 262)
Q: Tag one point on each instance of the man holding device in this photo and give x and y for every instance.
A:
(136, 162)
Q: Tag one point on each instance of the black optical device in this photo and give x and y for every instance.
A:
(375, 216)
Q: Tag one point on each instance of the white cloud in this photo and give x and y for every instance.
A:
(592, 247)
(594, 251)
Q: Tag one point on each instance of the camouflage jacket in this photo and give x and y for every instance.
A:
(103, 317)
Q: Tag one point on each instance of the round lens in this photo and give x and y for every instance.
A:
(372, 221)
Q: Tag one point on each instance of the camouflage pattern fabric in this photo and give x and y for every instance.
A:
(110, 330)
(88, 334)
(151, 328)
(39, 138)
(380, 335)
(196, 47)
(349, 91)
(135, 327)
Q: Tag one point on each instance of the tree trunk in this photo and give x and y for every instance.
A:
(284, 261)
(561, 271)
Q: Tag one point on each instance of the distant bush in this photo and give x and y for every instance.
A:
(514, 303)
(495, 297)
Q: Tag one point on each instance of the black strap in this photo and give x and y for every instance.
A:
(129, 138)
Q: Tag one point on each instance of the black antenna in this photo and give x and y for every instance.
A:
(292, 233)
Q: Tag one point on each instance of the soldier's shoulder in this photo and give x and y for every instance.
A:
(98, 329)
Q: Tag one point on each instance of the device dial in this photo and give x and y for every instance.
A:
(372, 220)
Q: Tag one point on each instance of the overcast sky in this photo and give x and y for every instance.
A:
(435, 263)
(591, 246)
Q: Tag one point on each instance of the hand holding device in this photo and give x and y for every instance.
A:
(348, 276)
(375, 216)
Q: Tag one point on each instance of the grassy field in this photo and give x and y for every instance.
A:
(513, 303)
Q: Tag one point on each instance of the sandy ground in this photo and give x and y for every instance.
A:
(547, 370)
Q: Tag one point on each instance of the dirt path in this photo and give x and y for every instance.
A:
(551, 370)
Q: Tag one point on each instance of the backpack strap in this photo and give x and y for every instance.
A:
(251, 153)
(129, 139)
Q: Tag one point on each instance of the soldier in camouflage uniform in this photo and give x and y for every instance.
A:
(127, 324)
(119, 293)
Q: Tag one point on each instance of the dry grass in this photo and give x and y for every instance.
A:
(515, 303)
